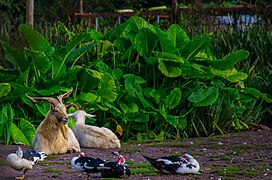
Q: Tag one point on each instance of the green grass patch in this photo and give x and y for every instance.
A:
(235, 171)
(223, 157)
(3, 163)
(50, 169)
(55, 175)
(51, 157)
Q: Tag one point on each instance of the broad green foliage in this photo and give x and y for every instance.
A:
(139, 80)
(24, 135)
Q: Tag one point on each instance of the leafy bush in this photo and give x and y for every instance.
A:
(138, 79)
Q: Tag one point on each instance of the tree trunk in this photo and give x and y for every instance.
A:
(30, 12)
(174, 11)
(81, 11)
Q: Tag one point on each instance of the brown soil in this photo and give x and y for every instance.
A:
(246, 155)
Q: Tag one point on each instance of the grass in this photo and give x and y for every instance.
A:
(50, 169)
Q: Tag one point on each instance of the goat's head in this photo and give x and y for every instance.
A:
(79, 115)
(57, 108)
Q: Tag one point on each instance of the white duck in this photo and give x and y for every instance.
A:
(17, 162)
(185, 164)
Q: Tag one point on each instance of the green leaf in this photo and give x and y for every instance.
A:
(79, 52)
(177, 35)
(28, 129)
(89, 97)
(139, 136)
(256, 93)
(52, 91)
(35, 40)
(171, 120)
(145, 42)
(58, 68)
(15, 56)
(160, 137)
(203, 97)
(4, 89)
(39, 61)
(169, 69)
(191, 48)
(230, 60)
(165, 42)
(173, 99)
(18, 136)
(169, 57)
(231, 74)
(107, 89)
(41, 109)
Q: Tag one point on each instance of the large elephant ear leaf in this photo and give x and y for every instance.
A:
(230, 59)
(35, 40)
(177, 35)
(17, 135)
(203, 97)
(28, 129)
(40, 61)
(191, 48)
(107, 89)
(146, 40)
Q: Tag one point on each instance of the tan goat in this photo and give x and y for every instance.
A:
(92, 136)
(53, 136)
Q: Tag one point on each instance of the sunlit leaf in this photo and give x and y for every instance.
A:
(17, 135)
(4, 89)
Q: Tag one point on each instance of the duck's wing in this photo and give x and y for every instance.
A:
(174, 159)
(34, 156)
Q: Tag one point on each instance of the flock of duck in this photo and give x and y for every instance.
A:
(185, 164)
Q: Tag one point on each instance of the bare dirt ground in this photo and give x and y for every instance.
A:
(246, 155)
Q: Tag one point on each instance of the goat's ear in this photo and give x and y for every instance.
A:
(52, 107)
(70, 115)
(89, 115)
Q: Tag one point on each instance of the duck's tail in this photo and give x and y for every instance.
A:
(151, 160)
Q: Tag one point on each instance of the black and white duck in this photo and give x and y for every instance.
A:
(87, 164)
(116, 169)
(185, 164)
(32, 155)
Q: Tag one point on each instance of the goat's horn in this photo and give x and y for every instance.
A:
(83, 107)
(65, 95)
(36, 99)
(72, 105)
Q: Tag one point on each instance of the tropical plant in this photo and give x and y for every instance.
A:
(138, 79)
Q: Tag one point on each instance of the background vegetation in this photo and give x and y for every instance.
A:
(141, 80)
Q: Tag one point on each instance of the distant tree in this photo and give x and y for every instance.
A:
(30, 12)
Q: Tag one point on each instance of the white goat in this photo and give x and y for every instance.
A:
(92, 136)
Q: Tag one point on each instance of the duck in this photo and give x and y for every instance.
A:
(32, 155)
(83, 163)
(116, 169)
(184, 164)
(17, 162)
